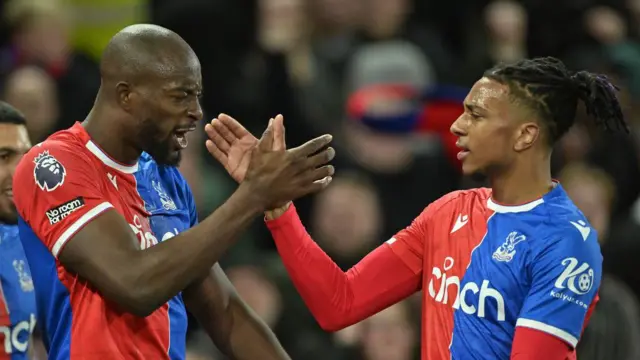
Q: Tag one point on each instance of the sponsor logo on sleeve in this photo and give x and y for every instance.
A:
(48, 173)
(576, 280)
(60, 212)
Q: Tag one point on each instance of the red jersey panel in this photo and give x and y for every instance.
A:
(424, 245)
(488, 268)
(61, 185)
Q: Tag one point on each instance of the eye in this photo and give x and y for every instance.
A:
(4, 157)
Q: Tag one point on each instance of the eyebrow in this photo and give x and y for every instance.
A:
(188, 89)
(12, 150)
(473, 108)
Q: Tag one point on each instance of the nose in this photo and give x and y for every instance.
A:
(195, 113)
(457, 128)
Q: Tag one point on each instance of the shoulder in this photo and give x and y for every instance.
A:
(168, 175)
(455, 201)
(567, 234)
(61, 146)
(563, 220)
(48, 163)
(164, 179)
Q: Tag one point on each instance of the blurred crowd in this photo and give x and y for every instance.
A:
(386, 78)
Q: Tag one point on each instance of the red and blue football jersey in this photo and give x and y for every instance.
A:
(487, 269)
(61, 185)
(17, 298)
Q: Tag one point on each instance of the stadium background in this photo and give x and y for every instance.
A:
(386, 77)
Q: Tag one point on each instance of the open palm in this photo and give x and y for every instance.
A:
(239, 156)
(231, 144)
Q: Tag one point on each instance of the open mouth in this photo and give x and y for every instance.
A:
(180, 137)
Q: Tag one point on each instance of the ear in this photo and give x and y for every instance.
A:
(123, 95)
(527, 134)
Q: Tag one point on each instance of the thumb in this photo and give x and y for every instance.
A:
(279, 143)
(266, 141)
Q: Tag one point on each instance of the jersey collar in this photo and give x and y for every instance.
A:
(499, 208)
(100, 154)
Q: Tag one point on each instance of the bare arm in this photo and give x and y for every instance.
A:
(105, 253)
(231, 324)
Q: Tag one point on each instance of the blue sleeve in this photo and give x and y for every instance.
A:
(186, 196)
(193, 212)
(565, 277)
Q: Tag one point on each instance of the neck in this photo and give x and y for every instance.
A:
(104, 129)
(522, 183)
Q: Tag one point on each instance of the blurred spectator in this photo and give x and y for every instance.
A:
(39, 33)
(607, 27)
(502, 38)
(95, 21)
(312, 60)
(346, 219)
(390, 335)
(613, 330)
(33, 91)
(375, 74)
(336, 17)
(616, 154)
(258, 291)
(389, 20)
(593, 192)
(386, 82)
(39, 36)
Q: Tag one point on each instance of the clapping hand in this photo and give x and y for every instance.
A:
(276, 175)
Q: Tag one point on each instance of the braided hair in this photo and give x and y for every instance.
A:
(552, 91)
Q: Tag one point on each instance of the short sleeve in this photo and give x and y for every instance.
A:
(57, 192)
(193, 211)
(409, 243)
(565, 278)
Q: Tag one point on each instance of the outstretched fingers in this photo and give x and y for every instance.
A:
(310, 147)
(216, 152)
(223, 130)
(320, 158)
(216, 138)
(233, 126)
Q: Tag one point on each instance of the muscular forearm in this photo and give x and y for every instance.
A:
(250, 338)
(169, 267)
(230, 323)
(338, 299)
